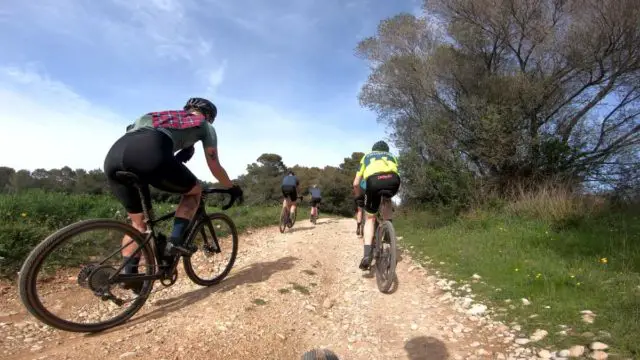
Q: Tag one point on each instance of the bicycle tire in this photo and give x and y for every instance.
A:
(385, 282)
(283, 218)
(320, 354)
(186, 261)
(293, 219)
(29, 270)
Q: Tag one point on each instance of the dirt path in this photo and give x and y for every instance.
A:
(287, 293)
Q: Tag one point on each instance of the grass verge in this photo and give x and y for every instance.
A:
(562, 267)
(28, 218)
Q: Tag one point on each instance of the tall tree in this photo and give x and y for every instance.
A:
(511, 90)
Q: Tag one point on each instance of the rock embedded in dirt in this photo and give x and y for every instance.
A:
(477, 309)
(576, 351)
(564, 353)
(588, 316)
(525, 302)
(328, 303)
(538, 335)
(598, 355)
(598, 346)
(544, 354)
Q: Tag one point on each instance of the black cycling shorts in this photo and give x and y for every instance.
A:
(148, 153)
(359, 200)
(315, 201)
(389, 181)
(289, 191)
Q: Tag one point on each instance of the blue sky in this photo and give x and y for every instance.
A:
(74, 73)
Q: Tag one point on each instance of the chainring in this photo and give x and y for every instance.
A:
(171, 279)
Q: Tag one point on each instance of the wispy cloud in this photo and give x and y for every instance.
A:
(282, 74)
(47, 124)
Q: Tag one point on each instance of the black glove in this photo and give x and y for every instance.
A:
(185, 155)
(236, 191)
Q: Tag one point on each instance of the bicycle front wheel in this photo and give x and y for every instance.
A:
(71, 278)
(217, 240)
(387, 260)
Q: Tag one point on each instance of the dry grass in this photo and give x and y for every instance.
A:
(555, 203)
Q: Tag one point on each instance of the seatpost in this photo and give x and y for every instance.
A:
(145, 211)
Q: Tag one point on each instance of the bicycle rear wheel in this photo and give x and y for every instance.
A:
(293, 218)
(92, 275)
(210, 245)
(387, 257)
(283, 219)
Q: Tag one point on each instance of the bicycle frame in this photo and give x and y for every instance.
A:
(385, 201)
(150, 222)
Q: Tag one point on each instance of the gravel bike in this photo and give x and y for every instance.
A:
(284, 217)
(100, 279)
(313, 218)
(384, 247)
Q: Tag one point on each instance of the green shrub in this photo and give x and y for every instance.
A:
(29, 217)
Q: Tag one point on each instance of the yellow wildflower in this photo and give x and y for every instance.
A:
(603, 260)
(23, 214)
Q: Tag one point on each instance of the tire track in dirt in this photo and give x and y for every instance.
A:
(286, 294)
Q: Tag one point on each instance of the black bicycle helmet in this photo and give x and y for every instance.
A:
(206, 107)
(291, 173)
(380, 146)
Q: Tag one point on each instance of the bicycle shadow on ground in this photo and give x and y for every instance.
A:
(323, 221)
(251, 274)
(300, 228)
(426, 348)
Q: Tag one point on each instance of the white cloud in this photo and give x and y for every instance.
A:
(215, 78)
(48, 125)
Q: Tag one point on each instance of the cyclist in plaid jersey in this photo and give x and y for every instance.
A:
(147, 150)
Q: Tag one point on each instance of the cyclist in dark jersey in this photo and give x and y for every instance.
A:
(147, 150)
(316, 198)
(289, 189)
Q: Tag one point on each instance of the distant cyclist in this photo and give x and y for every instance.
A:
(290, 187)
(379, 170)
(316, 198)
(147, 150)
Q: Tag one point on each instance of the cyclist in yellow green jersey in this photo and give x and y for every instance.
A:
(379, 170)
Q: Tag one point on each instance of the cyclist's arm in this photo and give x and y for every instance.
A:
(358, 178)
(210, 146)
(216, 169)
